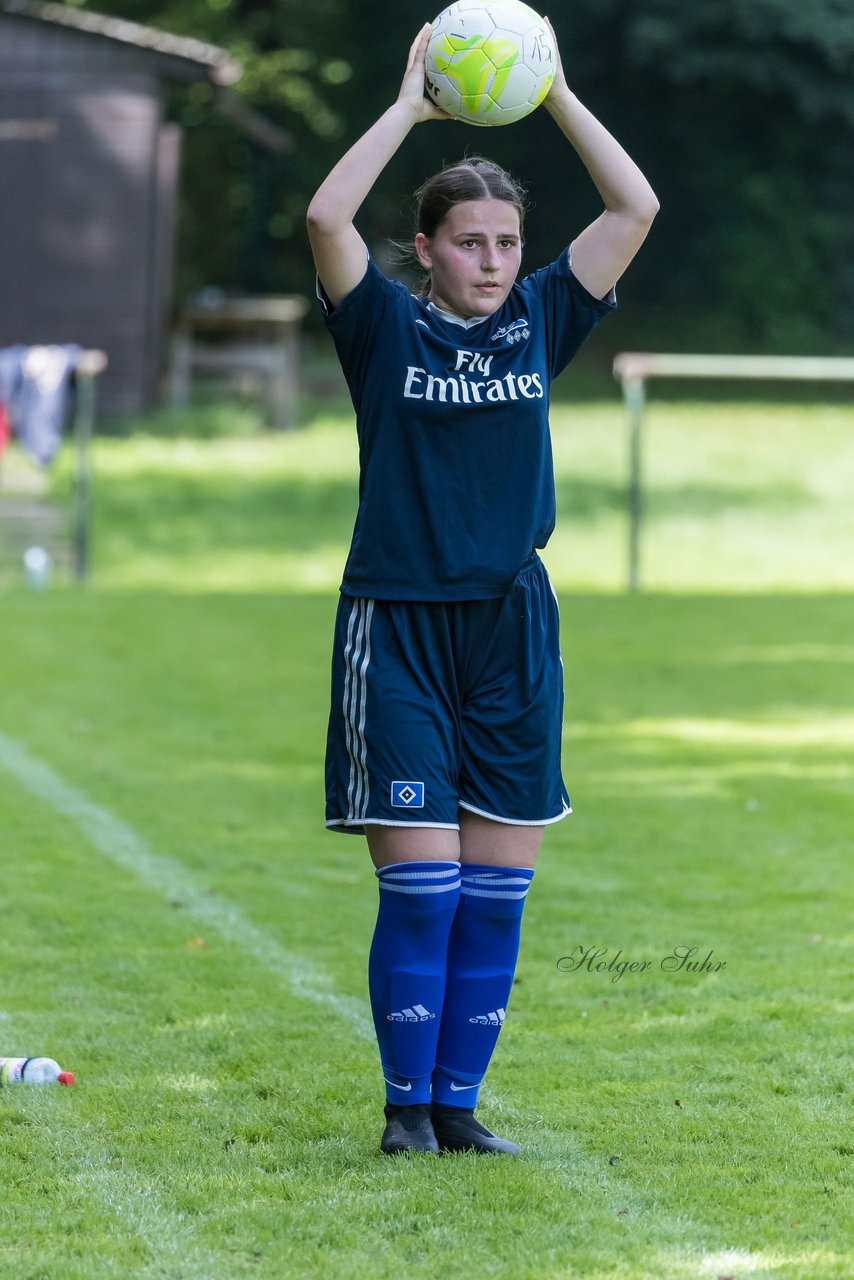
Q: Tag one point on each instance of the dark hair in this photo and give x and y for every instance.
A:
(474, 178)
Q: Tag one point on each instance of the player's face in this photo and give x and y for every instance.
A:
(473, 258)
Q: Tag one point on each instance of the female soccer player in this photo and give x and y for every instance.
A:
(447, 695)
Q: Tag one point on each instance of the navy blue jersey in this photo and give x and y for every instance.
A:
(456, 484)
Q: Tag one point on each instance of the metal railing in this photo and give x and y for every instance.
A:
(633, 369)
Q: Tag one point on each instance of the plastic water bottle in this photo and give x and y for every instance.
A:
(38, 565)
(33, 1071)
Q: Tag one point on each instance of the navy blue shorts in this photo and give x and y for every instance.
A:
(449, 705)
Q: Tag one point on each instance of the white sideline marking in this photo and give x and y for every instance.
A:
(559, 1155)
(135, 1204)
(120, 844)
(126, 1195)
(89, 1158)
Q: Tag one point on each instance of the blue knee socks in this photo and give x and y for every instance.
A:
(440, 972)
(482, 953)
(406, 971)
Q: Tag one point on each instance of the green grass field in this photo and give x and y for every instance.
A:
(177, 927)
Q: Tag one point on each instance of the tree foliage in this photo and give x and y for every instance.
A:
(749, 110)
(740, 111)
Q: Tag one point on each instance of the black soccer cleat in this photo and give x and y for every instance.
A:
(408, 1129)
(457, 1130)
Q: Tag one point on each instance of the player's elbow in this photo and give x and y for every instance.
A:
(325, 218)
(317, 217)
(636, 211)
(648, 207)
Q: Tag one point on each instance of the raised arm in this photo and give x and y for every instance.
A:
(601, 253)
(340, 253)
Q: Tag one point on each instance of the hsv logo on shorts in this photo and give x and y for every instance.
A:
(407, 795)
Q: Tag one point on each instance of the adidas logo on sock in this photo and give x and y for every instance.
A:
(494, 1019)
(416, 1014)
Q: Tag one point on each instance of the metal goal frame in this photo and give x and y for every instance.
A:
(633, 369)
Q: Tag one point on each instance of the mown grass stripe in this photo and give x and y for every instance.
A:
(557, 1156)
(115, 840)
(86, 1157)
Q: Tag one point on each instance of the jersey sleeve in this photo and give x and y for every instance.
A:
(358, 321)
(571, 313)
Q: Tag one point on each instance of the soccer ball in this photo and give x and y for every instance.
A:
(489, 63)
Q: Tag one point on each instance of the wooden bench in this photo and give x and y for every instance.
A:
(232, 336)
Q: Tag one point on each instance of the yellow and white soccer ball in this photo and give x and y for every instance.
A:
(490, 63)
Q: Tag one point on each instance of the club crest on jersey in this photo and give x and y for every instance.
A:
(407, 795)
(512, 333)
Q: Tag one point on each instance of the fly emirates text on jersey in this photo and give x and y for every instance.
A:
(462, 387)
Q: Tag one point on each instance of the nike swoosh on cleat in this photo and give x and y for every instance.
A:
(404, 1087)
(458, 1088)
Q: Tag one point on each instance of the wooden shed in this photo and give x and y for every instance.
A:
(90, 180)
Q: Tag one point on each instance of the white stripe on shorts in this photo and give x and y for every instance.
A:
(363, 684)
(357, 656)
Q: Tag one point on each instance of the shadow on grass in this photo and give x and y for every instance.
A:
(580, 500)
(177, 513)
(162, 513)
(654, 656)
(629, 659)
